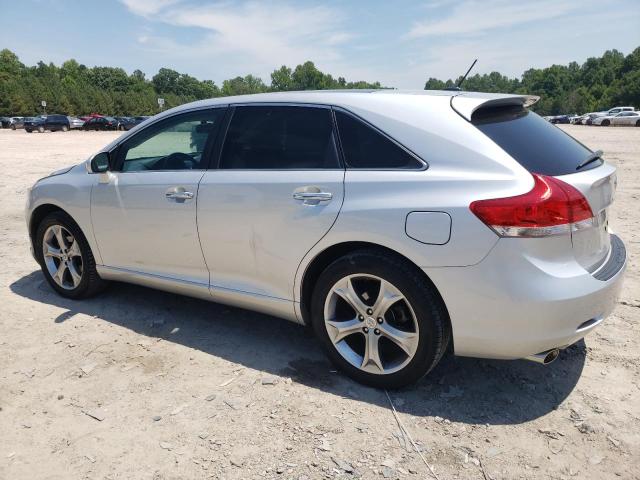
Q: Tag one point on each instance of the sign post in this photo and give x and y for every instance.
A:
(161, 103)
(44, 106)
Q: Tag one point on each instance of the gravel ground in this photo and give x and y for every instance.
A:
(143, 384)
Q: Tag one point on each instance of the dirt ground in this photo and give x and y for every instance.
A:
(143, 384)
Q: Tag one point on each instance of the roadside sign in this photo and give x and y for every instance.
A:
(43, 103)
(161, 102)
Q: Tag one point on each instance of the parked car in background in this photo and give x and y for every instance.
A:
(5, 122)
(335, 210)
(620, 119)
(84, 118)
(616, 110)
(17, 122)
(127, 123)
(577, 120)
(53, 123)
(560, 119)
(588, 118)
(101, 123)
(75, 122)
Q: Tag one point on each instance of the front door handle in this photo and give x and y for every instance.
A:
(311, 195)
(179, 194)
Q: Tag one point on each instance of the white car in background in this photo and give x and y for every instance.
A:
(588, 118)
(75, 122)
(616, 110)
(620, 119)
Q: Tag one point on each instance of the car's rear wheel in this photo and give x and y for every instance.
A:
(66, 258)
(13, 127)
(65, 128)
(605, 123)
(637, 123)
(380, 321)
(27, 130)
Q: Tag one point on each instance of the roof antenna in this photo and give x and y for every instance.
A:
(457, 88)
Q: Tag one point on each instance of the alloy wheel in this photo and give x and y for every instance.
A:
(371, 324)
(62, 257)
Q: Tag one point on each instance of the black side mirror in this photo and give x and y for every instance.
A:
(100, 163)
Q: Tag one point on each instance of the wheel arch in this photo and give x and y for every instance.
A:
(40, 213)
(323, 259)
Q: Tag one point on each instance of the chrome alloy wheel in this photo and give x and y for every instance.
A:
(371, 324)
(62, 257)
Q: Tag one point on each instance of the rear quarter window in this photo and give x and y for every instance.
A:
(367, 148)
(536, 144)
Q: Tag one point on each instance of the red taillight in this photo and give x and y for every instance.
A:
(552, 207)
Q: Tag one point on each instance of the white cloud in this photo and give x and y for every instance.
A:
(263, 35)
(478, 16)
(147, 7)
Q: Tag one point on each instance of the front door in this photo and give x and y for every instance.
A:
(144, 217)
(277, 192)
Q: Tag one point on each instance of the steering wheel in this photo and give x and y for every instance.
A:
(176, 161)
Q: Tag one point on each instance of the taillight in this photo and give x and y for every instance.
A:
(552, 207)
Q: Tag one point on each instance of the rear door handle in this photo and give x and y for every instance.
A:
(311, 195)
(179, 194)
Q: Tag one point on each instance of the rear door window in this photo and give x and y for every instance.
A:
(365, 147)
(536, 144)
(280, 138)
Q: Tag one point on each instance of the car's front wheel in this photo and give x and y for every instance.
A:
(379, 319)
(66, 258)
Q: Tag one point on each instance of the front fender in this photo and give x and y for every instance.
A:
(69, 192)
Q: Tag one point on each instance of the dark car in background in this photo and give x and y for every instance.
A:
(5, 122)
(560, 119)
(53, 123)
(127, 123)
(101, 123)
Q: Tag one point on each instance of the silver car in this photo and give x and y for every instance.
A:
(625, 118)
(395, 224)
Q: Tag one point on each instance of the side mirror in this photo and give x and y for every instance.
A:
(100, 163)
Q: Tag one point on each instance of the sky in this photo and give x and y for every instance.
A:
(399, 43)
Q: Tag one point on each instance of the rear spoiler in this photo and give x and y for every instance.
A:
(468, 102)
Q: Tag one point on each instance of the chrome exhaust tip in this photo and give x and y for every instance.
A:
(544, 358)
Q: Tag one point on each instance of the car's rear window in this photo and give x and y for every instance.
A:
(536, 144)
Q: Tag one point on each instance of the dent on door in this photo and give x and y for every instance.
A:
(255, 227)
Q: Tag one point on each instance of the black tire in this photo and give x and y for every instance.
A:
(40, 129)
(65, 128)
(13, 127)
(605, 123)
(430, 312)
(28, 131)
(638, 123)
(90, 283)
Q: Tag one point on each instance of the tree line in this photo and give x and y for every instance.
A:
(74, 89)
(598, 84)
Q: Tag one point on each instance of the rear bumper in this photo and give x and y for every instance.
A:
(524, 299)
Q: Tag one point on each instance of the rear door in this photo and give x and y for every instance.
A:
(278, 189)
(545, 149)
